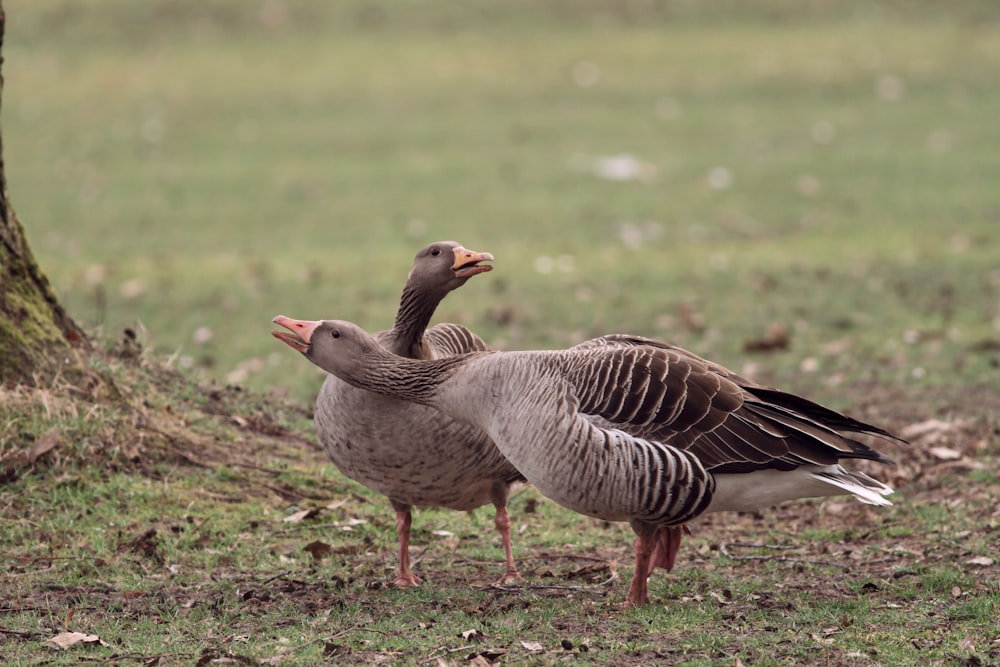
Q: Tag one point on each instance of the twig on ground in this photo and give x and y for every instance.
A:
(536, 587)
(277, 576)
(19, 633)
(607, 582)
(420, 556)
(745, 545)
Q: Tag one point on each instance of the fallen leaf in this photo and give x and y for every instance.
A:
(147, 545)
(301, 515)
(43, 445)
(532, 646)
(945, 453)
(718, 597)
(776, 337)
(319, 550)
(491, 656)
(66, 639)
(967, 644)
(984, 561)
(349, 524)
(930, 427)
(472, 634)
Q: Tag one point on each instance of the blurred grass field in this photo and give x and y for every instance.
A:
(700, 172)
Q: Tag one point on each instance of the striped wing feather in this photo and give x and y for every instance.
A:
(658, 391)
(448, 340)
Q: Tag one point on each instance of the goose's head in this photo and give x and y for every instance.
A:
(446, 265)
(337, 346)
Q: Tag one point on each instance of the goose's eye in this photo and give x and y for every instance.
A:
(435, 252)
(335, 333)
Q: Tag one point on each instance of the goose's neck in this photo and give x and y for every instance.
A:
(416, 308)
(411, 379)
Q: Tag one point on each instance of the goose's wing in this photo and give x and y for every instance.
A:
(775, 397)
(449, 339)
(658, 391)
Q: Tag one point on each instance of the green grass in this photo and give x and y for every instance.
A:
(829, 168)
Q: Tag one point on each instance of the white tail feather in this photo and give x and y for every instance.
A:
(764, 488)
(858, 484)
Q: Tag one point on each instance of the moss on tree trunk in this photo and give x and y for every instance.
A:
(36, 333)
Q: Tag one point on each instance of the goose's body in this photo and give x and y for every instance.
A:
(409, 452)
(622, 428)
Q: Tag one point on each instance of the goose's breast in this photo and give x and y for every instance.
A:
(406, 451)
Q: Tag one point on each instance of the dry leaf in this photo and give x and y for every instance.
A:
(590, 570)
(984, 561)
(472, 634)
(718, 597)
(43, 445)
(319, 550)
(301, 515)
(66, 639)
(40, 448)
(967, 644)
(776, 337)
(490, 656)
(532, 646)
(945, 453)
(348, 525)
(930, 429)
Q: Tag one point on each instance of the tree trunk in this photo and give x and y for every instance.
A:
(35, 330)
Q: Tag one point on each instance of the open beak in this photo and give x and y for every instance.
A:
(467, 262)
(300, 335)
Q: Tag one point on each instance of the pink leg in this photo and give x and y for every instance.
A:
(405, 577)
(666, 544)
(638, 594)
(503, 525)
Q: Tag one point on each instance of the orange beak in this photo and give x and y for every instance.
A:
(467, 262)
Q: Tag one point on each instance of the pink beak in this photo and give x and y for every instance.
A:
(301, 332)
